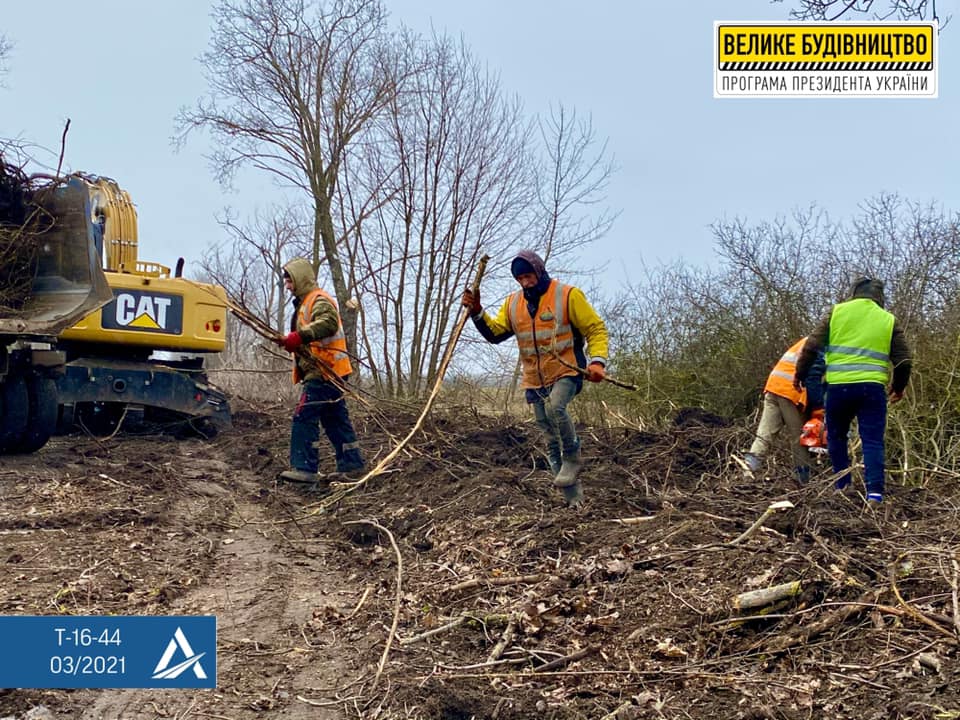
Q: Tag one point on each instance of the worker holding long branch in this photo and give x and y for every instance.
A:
(552, 322)
(320, 364)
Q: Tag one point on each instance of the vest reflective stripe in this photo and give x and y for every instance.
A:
(331, 351)
(541, 339)
(780, 380)
(858, 348)
(847, 350)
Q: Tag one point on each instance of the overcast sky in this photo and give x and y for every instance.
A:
(641, 70)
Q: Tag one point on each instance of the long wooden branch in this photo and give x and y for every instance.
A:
(780, 505)
(452, 625)
(455, 623)
(341, 490)
(912, 611)
(766, 596)
(785, 642)
(498, 582)
(567, 659)
(505, 639)
(580, 370)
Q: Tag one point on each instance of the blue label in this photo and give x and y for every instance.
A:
(105, 651)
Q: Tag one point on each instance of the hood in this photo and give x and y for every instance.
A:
(301, 272)
(529, 257)
(866, 287)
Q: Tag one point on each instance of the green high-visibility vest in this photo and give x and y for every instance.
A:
(858, 346)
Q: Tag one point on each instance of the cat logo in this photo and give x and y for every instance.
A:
(144, 312)
(166, 671)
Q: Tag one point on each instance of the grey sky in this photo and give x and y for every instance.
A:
(641, 70)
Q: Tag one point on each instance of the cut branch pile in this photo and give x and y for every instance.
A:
(820, 602)
(19, 235)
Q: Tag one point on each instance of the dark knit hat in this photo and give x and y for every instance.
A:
(867, 287)
(520, 266)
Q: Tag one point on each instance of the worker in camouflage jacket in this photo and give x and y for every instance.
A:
(320, 365)
(551, 322)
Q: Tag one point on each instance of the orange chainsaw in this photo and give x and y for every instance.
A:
(813, 436)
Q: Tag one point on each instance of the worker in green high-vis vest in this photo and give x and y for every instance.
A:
(866, 353)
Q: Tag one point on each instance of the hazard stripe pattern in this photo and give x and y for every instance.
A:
(820, 66)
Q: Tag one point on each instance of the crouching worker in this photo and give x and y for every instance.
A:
(316, 327)
(787, 406)
(551, 322)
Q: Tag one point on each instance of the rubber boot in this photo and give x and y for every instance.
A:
(301, 477)
(569, 469)
(352, 465)
(555, 464)
(573, 494)
(803, 474)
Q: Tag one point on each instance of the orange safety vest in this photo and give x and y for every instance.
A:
(780, 381)
(331, 351)
(544, 337)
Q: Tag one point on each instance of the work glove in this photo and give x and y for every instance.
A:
(797, 384)
(291, 341)
(596, 372)
(471, 301)
(817, 413)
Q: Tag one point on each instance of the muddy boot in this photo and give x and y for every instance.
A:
(347, 476)
(349, 459)
(555, 464)
(300, 477)
(573, 494)
(569, 469)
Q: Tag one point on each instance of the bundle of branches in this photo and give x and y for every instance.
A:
(19, 235)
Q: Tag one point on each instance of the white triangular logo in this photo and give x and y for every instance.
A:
(163, 670)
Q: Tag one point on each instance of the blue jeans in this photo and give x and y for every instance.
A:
(866, 401)
(321, 403)
(550, 411)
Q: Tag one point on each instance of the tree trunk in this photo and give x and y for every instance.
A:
(325, 237)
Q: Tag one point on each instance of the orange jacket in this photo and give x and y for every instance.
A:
(780, 381)
(330, 351)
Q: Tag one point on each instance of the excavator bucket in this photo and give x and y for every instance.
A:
(69, 282)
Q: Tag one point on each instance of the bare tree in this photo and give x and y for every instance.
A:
(292, 86)
(574, 176)
(888, 9)
(451, 168)
(250, 265)
(413, 160)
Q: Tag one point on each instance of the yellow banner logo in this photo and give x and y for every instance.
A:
(822, 59)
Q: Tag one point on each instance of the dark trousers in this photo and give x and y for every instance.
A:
(321, 403)
(867, 402)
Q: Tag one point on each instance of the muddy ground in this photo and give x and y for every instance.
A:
(623, 609)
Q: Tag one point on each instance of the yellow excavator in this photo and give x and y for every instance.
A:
(140, 356)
